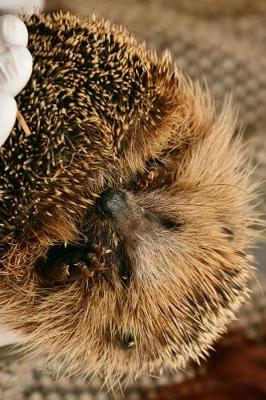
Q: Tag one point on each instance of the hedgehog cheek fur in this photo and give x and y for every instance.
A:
(126, 217)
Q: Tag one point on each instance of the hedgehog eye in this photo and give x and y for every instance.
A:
(228, 232)
(125, 341)
(125, 268)
(170, 224)
(153, 163)
(164, 221)
(125, 272)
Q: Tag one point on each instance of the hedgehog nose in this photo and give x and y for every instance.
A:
(111, 203)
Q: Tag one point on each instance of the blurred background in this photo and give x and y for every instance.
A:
(223, 43)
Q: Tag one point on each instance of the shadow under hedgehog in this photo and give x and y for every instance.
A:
(125, 206)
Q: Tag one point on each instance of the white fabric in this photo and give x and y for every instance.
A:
(15, 69)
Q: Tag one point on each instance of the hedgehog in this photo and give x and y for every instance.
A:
(126, 214)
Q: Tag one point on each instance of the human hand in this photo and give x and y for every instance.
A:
(15, 69)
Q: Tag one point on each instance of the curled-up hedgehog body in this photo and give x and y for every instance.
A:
(125, 206)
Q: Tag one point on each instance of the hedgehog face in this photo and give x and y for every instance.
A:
(125, 217)
(149, 280)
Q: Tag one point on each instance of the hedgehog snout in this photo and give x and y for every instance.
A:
(111, 203)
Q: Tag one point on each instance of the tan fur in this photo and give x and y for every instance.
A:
(105, 112)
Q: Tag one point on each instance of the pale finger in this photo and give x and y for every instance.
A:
(13, 31)
(15, 68)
